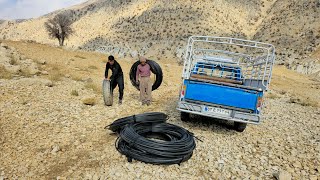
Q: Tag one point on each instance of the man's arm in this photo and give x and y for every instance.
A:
(115, 71)
(106, 71)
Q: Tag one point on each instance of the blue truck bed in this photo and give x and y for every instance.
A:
(222, 95)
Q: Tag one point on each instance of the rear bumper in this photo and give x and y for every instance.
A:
(235, 115)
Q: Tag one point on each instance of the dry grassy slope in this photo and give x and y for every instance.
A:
(83, 65)
(79, 65)
(141, 24)
(293, 27)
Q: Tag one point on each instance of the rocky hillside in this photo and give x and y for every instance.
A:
(160, 28)
(294, 28)
(147, 25)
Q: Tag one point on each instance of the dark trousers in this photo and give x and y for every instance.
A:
(120, 82)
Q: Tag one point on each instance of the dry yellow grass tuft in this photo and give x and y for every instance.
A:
(272, 96)
(55, 72)
(76, 77)
(94, 87)
(93, 67)
(303, 102)
(55, 76)
(74, 93)
(4, 74)
(80, 57)
(13, 61)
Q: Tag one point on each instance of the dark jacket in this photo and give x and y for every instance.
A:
(116, 70)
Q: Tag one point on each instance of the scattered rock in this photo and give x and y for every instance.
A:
(87, 80)
(134, 54)
(33, 70)
(297, 164)
(95, 177)
(61, 178)
(44, 72)
(282, 175)
(13, 69)
(314, 177)
(42, 61)
(48, 83)
(91, 101)
(55, 149)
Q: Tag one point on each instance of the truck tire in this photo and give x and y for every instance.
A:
(239, 126)
(107, 93)
(155, 69)
(185, 116)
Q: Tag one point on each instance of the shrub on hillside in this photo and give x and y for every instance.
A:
(59, 27)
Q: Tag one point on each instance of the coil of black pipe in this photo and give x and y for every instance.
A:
(155, 69)
(152, 117)
(175, 146)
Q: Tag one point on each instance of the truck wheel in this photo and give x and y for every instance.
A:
(155, 69)
(107, 93)
(185, 116)
(239, 126)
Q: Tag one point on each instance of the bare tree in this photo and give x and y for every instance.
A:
(59, 27)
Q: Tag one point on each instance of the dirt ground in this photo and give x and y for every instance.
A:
(48, 133)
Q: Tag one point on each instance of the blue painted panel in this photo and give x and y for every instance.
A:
(222, 95)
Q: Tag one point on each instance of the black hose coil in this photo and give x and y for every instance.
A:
(176, 145)
(153, 117)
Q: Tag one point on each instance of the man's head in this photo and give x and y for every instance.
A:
(143, 60)
(111, 60)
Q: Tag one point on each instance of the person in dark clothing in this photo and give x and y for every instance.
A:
(116, 77)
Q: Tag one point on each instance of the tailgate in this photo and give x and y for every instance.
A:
(222, 95)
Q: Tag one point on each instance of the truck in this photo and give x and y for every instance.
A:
(225, 78)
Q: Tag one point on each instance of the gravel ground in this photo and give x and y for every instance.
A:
(48, 133)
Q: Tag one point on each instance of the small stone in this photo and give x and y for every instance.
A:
(313, 177)
(42, 61)
(297, 164)
(48, 83)
(95, 177)
(282, 175)
(33, 70)
(44, 72)
(253, 177)
(74, 157)
(61, 178)
(55, 149)
(134, 54)
(91, 101)
(67, 76)
(88, 176)
(221, 161)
